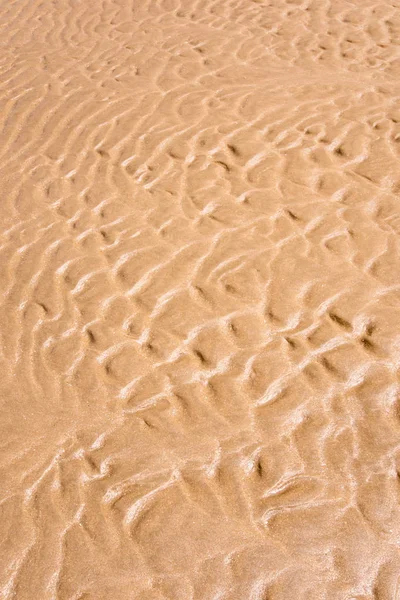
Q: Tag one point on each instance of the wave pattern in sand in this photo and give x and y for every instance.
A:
(200, 309)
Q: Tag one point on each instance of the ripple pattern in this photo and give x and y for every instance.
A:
(200, 300)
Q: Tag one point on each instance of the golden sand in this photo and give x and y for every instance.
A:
(200, 300)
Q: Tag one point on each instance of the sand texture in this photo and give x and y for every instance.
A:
(200, 300)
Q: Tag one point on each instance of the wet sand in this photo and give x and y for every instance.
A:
(200, 300)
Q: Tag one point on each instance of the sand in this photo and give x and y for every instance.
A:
(200, 300)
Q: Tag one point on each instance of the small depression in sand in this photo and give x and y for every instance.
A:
(200, 300)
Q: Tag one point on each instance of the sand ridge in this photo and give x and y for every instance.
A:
(200, 300)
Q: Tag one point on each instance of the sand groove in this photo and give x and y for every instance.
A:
(200, 300)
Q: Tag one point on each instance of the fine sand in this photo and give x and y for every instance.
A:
(200, 300)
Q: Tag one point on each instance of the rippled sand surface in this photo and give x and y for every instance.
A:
(200, 300)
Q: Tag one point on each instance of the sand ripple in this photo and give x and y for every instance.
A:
(200, 300)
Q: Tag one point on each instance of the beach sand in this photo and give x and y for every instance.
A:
(200, 300)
